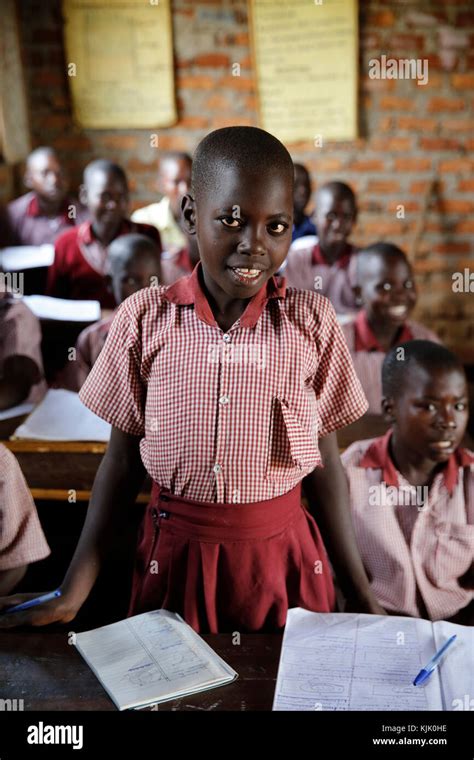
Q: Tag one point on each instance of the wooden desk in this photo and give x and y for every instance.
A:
(49, 674)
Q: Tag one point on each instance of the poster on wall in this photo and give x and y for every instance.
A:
(306, 60)
(119, 58)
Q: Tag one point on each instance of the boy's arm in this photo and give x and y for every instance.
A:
(116, 486)
(327, 493)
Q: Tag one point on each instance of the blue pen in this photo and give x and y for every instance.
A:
(425, 672)
(32, 602)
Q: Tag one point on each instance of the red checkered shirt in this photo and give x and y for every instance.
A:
(226, 417)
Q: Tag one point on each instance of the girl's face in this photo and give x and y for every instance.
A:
(388, 290)
(430, 414)
(243, 227)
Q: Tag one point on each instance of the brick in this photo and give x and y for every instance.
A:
(440, 105)
(464, 226)
(232, 121)
(463, 81)
(237, 83)
(217, 102)
(382, 19)
(213, 60)
(71, 142)
(439, 143)
(200, 82)
(328, 164)
(452, 247)
(135, 166)
(383, 186)
(409, 206)
(455, 165)
(405, 42)
(466, 185)
(412, 164)
(378, 85)
(458, 125)
(414, 123)
(118, 141)
(369, 165)
(391, 144)
(384, 227)
(194, 122)
(455, 206)
(394, 103)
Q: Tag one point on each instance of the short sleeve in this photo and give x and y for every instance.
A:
(21, 334)
(114, 389)
(338, 391)
(21, 537)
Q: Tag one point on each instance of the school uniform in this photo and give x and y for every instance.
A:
(20, 335)
(306, 268)
(368, 355)
(414, 556)
(159, 215)
(229, 426)
(81, 264)
(29, 226)
(22, 540)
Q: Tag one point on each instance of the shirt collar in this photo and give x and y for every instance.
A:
(33, 209)
(364, 337)
(378, 457)
(189, 290)
(341, 263)
(86, 233)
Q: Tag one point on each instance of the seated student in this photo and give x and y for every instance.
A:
(80, 265)
(385, 287)
(323, 264)
(134, 264)
(302, 224)
(228, 389)
(412, 490)
(47, 210)
(22, 540)
(174, 180)
(21, 365)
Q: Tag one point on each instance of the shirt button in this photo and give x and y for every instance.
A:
(224, 400)
(226, 337)
(217, 468)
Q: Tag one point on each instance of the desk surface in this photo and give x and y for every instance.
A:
(41, 668)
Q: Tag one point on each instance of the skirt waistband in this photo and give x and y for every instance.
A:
(209, 521)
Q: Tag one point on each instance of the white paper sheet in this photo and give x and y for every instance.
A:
(364, 662)
(62, 309)
(61, 416)
(456, 669)
(19, 257)
(16, 411)
(147, 658)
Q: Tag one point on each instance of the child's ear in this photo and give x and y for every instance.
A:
(388, 409)
(188, 211)
(83, 194)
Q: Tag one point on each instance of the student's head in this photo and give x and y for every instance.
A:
(241, 207)
(174, 179)
(425, 391)
(134, 263)
(302, 189)
(385, 284)
(335, 216)
(45, 175)
(105, 193)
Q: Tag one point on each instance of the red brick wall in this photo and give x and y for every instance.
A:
(410, 134)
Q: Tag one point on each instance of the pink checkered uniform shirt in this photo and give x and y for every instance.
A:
(226, 417)
(411, 549)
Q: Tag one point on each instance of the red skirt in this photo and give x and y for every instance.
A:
(230, 567)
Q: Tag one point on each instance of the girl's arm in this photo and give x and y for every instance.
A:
(327, 493)
(116, 486)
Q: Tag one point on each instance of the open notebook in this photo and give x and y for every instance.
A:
(152, 658)
(61, 416)
(339, 661)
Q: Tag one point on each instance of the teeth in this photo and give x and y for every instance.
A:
(398, 310)
(443, 444)
(247, 272)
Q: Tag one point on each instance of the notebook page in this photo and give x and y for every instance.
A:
(61, 416)
(63, 309)
(342, 661)
(456, 669)
(19, 257)
(16, 411)
(147, 659)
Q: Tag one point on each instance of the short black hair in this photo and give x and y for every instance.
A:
(124, 247)
(106, 167)
(247, 148)
(339, 190)
(302, 168)
(380, 250)
(423, 353)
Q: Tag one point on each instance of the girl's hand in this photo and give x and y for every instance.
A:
(60, 610)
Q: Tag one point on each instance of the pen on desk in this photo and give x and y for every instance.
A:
(32, 602)
(425, 672)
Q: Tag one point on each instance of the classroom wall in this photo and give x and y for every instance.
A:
(410, 134)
